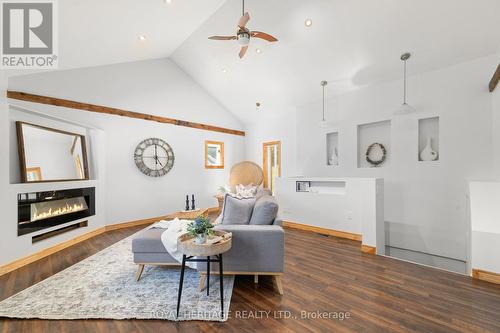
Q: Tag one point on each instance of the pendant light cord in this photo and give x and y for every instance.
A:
(323, 103)
(404, 83)
(243, 12)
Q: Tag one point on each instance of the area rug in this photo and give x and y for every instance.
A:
(103, 286)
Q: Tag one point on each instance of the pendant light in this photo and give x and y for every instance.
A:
(405, 108)
(323, 122)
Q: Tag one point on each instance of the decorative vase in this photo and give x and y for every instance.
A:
(428, 154)
(334, 157)
(201, 239)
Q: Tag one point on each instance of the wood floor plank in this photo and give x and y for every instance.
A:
(322, 273)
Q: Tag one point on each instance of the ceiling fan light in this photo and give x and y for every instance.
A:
(243, 39)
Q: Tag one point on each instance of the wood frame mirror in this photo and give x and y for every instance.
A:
(214, 155)
(50, 155)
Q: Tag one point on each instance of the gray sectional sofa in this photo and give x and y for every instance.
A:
(257, 248)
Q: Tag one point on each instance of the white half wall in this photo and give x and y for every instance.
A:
(485, 225)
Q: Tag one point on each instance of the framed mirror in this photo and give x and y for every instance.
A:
(50, 155)
(214, 155)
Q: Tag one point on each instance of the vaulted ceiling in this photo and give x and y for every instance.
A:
(351, 43)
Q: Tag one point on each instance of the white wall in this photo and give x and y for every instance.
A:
(274, 128)
(157, 87)
(496, 123)
(425, 203)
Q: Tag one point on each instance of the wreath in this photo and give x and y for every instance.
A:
(373, 147)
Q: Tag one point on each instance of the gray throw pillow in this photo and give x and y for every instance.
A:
(237, 210)
(262, 192)
(265, 210)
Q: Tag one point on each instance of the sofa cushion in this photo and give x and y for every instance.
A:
(237, 210)
(265, 210)
(262, 192)
(148, 240)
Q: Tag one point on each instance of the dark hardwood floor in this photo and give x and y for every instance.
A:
(324, 274)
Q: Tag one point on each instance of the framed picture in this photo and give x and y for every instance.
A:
(214, 155)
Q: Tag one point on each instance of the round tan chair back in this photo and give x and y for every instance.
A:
(246, 173)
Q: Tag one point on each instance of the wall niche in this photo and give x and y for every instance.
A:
(370, 133)
(332, 149)
(428, 139)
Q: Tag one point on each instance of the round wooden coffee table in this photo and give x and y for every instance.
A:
(215, 246)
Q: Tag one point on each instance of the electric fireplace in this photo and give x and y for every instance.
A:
(40, 210)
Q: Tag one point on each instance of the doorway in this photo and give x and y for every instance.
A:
(271, 163)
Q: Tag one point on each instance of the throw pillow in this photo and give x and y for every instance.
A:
(237, 210)
(262, 192)
(265, 210)
(245, 191)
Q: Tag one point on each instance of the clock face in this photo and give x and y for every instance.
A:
(154, 157)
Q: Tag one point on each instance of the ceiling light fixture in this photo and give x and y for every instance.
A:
(142, 38)
(405, 108)
(168, 2)
(308, 22)
(224, 71)
(258, 51)
(323, 123)
(257, 106)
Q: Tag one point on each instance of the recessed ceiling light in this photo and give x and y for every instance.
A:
(224, 71)
(142, 38)
(308, 22)
(258, 51)
(168, 2)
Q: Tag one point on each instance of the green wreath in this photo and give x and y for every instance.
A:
(370, 148)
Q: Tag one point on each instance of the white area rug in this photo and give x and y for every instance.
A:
(104, 286)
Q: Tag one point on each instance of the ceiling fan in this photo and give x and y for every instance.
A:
(243, 34)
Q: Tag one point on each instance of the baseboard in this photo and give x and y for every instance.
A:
(133, 223)
(47, 252)
(61, 246)
(368, 249)
(486, 276)
(324, 231)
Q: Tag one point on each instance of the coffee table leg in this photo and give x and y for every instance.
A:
(221, 281)
(208, 275)
(180, 284)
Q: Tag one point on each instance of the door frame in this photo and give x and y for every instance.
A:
(265, 146)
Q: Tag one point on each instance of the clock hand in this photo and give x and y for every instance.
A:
(156, 156)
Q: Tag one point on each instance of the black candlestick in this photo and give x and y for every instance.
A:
(187, 201)
(193, 206)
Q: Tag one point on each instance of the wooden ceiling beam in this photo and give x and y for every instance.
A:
(495, 79)
(117, 112)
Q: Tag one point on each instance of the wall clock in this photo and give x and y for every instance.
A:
(154, 157)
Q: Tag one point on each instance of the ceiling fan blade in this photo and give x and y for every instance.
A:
(244, 20)
(243, 50)
(263, 35)
(223, 37)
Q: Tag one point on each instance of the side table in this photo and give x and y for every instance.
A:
(215, 246)
(188, 214)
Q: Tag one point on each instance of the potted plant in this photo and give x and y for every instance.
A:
(200, 228)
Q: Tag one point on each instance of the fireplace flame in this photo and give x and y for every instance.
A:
(57, 208)
(59, 211)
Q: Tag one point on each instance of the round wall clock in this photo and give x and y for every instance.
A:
(154, 157)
